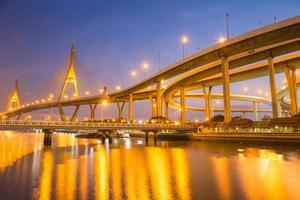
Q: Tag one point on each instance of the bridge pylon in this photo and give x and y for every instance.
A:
(70, 77)
(14, 98)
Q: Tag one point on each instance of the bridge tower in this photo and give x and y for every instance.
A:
(70, 77)
(14, 98)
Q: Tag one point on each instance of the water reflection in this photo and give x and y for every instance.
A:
(127, 169)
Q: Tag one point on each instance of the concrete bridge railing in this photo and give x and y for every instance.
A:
(19, 124)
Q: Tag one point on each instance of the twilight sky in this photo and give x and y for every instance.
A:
(114, 37)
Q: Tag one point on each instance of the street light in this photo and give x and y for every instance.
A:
(221, 40)
(145, 67)
(118, 88)
(133, 73)
(184, 40)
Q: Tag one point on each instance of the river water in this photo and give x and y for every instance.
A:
(74, 168)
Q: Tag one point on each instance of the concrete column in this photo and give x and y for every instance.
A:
(93, 111)
(167, 110)
(255, 118)
(226, 90)
(152, 106)
(294, 75)
(273, 88)
(62, 113)
(291, 88)
(244, 115)
(207, 104)
(120, 109)
(75, 113)
(130, 110)
(158, 99)
(183, 109)
(210, 102)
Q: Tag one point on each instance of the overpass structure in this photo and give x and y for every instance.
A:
(262, 52)
(66, 125)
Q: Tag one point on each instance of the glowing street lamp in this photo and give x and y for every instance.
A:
(183, 40)
(133, 73)
(221, 40)
(245, 88)
(101, 91)
(87, 92)
(118, 88)
(145, 67)
(267, 94)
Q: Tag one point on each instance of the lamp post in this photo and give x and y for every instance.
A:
(227, 25)
(184, 40)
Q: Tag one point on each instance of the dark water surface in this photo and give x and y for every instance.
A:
(130, 169)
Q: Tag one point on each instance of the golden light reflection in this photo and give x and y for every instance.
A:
(46, 176)
(159, 166)
(116, 173)
(135, 174)
(84, 169)
(261, 174)
(64, 140)
(66, 179)
(101, 178)
(221, 171)
(182, 177)
(15, 146)
(83, 176)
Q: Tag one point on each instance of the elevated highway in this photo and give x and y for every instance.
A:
(261, 52)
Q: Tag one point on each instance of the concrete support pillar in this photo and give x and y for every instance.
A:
(62, 113)
(226, 90)
(152, 105)
(294, 75)
(167, 110)
(158, 99)
(291, 87)
(93, 111)
(273, 88)
(183, 108)
(74, 115)
(130, 111)
(210, 102)
(207, 102)
(19, 116)
(47, 137)
(255, 117)
(120, 109)
(244, 115)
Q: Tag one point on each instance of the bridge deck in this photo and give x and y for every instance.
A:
(20, 124)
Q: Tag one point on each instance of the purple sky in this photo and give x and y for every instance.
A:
(114, 37)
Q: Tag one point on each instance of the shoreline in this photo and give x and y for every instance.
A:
(276, 138)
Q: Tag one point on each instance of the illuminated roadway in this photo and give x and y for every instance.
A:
(230, 60)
